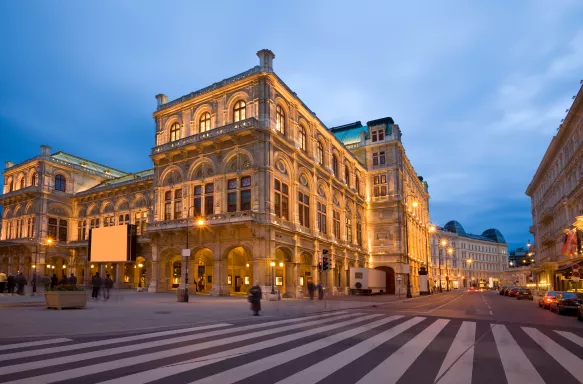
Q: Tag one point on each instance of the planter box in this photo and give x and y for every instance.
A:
(66, 299)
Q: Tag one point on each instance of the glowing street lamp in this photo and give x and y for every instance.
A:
(272, 264)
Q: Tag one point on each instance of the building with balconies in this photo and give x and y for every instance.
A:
(556, 193)
(260, 185)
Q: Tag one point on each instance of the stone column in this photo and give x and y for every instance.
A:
(299, 288)
(119, 283)
(153, 285)
(290, 279)
(220, 273)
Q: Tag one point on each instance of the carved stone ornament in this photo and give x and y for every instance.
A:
(321, 192)
(281, 167)
(303, 180)
(335, 200)
(246, 164)
(199, 173)
(210, 172)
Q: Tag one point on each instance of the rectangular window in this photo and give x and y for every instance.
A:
(321, 217)
(382, 157)
(374, 136)
(232, 202)
(304, 209)
(208, 205)
(375, 158)
(52, 230)
(168, 211)
(381, 135)
(246, 200)
(94, 223)
(336, 219)
(197, 207)
(232, 184)
(31, 227)
(178, 203)
(380, 187)
(359, 234)
(281, 200)
(82, 230)
(62, 230)
(348, 229)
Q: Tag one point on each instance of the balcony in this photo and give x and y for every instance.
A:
(547, 215)
(28, 191)
(212, 134)
(222, 218)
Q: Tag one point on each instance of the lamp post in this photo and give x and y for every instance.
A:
(469, 263)
(450, 251)
(430, 230)
(186, 255)
(272, 264)
(415, 204)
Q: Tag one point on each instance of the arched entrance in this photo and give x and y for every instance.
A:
(202, 270)
(306, 271)
(284, 275)
(56, 265)
(239, 276)
(171, 273)
(390, 275)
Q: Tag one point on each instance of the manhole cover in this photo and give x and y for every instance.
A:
(162, 312)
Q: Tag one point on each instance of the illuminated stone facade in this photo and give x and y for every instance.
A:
(269, 182)
(556, 193)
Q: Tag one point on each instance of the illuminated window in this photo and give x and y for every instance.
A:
(348, 229)
(336, 222)
(239, 111)
(82, 230)
(347, 175)
(178, 204)
(35, 179)
(280, 120)
(303, 138)
(281, 200)
(380, 185)
(321, 217)
(205, 122)
(304, 209)
(60, 183)
(175, 132)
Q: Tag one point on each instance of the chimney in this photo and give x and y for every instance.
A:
(162, 99)
(45, 150)
(266, 60)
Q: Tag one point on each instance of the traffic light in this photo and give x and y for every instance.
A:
(325, 263)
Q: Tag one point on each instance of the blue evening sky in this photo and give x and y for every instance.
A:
(478, 88)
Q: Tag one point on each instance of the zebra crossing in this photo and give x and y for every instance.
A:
(337, 347)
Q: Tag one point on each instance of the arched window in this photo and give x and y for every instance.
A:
(357, 183)
(10, 186)
(60, 183)
(35, 179)
(335, 165)
(303, 140)
(175, 132)
(347, 175)
(280, 120)
(204, 123)
(22, 183)
(320, 153)
(239, 111)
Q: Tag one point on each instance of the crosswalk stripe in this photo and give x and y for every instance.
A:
(325, 368)
(184, 366)
(517, 368)
(391, 369)
(243, 371)
(572, 337)
(100, 343)
(31, 344)
(120, 363)
(569, 361)
(461, 371)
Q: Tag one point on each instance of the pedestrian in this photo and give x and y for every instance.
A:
(311, 289)
(11, 282)
(73, 279)
(3, 279)
(96, 283)
(20, 283)
(254, 298)
(320, 292)
(107, 285)
(64, 280)
(54, 281)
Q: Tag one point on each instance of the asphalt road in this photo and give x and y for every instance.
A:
(451, 338)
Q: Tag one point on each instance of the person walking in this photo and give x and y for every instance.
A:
(255, 298)
(11, 282)
(73, 280)
(64, 280)
(3, 279)
(20, 283)
(320, 292)
(96, 283)
(311, 289)
(54, 281)
(107, 285)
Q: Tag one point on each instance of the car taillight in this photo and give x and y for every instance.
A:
(549, 300)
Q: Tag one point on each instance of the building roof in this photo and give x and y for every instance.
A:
(87, 164)
(126, 179)
(350, 133)
(491, 235)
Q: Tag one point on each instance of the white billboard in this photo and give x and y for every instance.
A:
(110, 244)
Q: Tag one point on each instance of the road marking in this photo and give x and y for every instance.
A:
(570, 362)
(92, 344)
(30, 344)
(572, 337)
(247, 370)
(121, 363)
(323, 369)
(135, 347)
(462, 346)
(517, 368)
(391, 370)
(184, 366)
(457, 298)
(491, 313)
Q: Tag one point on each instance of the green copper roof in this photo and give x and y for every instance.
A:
(90, 165)
(349, 133)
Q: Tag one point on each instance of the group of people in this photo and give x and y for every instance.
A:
(97, 283)
(54, 281)
(10, 282)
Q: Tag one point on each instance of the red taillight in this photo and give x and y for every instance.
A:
(549, 300)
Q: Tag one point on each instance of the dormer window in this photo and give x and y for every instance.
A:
(378, 135)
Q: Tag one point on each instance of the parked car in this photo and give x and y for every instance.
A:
(524, 293)
(566, 302)
(547, 299)
(472, 289)
(502, 289)
(513, 292)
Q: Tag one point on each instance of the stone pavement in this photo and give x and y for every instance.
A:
(25, 316)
